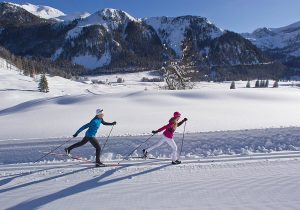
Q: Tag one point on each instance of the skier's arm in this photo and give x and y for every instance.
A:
(181, 122)
(161, 129)
(107, 123)
(81, 129)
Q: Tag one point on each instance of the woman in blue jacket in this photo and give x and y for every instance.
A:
(90, 134)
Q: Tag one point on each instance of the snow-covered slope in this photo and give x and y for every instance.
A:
(172, 30)
(285, 39)
(70, 17)
(239, 169)
(107, 21)
(109, 18)
(41, 11)
(47, 12)
(209, 107)
(15, 88)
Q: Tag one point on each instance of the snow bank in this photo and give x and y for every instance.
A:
(243, 143)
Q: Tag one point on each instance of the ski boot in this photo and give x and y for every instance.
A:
(67, 151)
(100, 164)
(145, 154)
(176, 162)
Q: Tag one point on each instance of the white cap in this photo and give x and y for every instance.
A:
(99, 111)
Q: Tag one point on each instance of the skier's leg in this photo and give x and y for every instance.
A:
(156, 145)
(173, 145)
(96, 144)
(78, 144)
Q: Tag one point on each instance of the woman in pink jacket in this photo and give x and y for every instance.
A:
(168, 134)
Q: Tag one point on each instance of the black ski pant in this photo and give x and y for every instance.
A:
(93, 141)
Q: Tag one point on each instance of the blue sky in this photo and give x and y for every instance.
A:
(235, 15)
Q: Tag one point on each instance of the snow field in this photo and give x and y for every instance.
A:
(238, 185)
(209, 107)
(232, 157)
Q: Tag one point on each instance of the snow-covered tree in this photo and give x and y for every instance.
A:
(43, 84)
(177, 77)
(232, 86)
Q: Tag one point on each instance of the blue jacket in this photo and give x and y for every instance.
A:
(92, 126)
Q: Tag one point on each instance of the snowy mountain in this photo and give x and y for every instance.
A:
(12, 15)
(110, 19)
(121, 35)
(281, 43)
(107, 37)
(172, 30)
(45, 12)
(113, 40)
(71, 17)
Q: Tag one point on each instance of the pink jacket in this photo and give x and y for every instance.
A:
(169, 128)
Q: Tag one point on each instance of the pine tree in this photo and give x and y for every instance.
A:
(43, 84)
(248, 84)
(232, 86)
(257, 84)
(267, 84)
(120, 80)
(275, 85)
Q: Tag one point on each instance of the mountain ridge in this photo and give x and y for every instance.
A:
(113, 40)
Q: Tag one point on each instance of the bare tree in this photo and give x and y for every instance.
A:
(177, 77)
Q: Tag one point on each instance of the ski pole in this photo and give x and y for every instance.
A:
(136, 148)
(107, 139)
(53, 150)
(182, 139)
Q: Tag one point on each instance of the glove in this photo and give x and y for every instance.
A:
(75, 135)
(154, 132)
(185, 119)
(114, 123)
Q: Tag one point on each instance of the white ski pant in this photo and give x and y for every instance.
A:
(170, 142)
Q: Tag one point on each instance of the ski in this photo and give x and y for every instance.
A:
(81, 159)
(141, 157)
(108, 165)
(65, 155)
